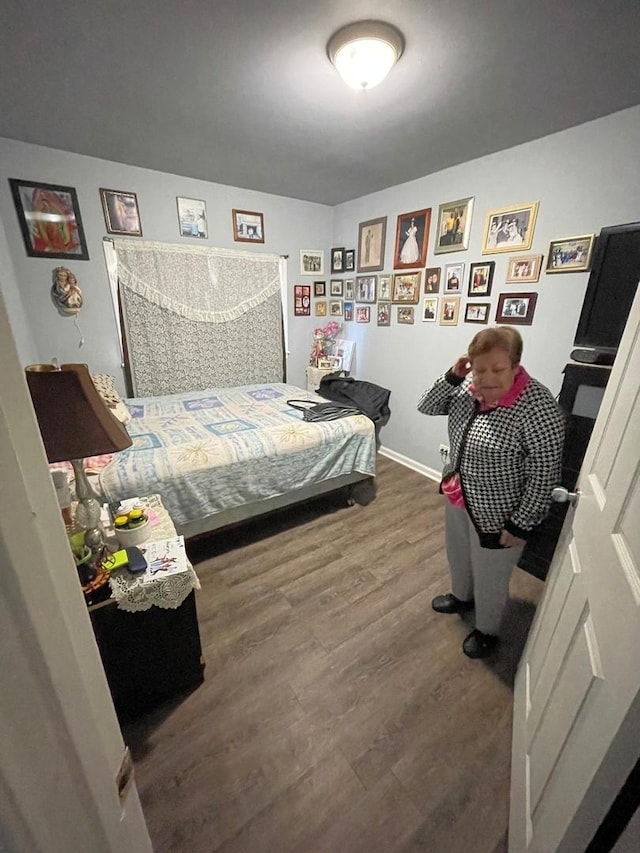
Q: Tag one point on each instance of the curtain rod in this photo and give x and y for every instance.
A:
(110, 240)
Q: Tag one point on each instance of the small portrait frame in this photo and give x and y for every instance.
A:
(349, 260)
(405, 316)
(348, 311)
(336, 287)
(301, 300)
(477, 312)
(406, 288)
(311, 262)
(384, 288)
(363, 314)
(366, 287)
(510, 229)
(337, 260)
(571, 254)
(349, 288)
(430, 309)
(336, 308)
(371, 242)
(516, 308)
(432, 279)
(319, 288)
(412, 238)
(523, 269)
(121, 213)
(480, 278)
(449, 310)
(192, 217)
(321, 308)
(34, 202)
(384, 313)
(325, 363)
(454, 226)
(248, 226)
(453, 278)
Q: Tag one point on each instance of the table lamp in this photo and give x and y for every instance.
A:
(75, 423)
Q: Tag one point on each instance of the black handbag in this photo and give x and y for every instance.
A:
(322, 411)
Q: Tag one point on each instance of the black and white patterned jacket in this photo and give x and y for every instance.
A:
(508, 458)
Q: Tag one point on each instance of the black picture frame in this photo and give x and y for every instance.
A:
(121, 213)
(349, 260)
(480, 278)
(337, 260)
(49, 219)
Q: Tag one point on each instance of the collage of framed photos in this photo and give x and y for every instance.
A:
(41, 207)
(448, 294)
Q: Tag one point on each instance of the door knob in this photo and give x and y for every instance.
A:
(562, 495)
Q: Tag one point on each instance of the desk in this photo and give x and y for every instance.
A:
(147, 634)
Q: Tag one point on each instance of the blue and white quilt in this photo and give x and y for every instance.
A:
(209, 451)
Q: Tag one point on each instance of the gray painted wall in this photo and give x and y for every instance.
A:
(25, 343)
(290, 225)
(584, 178)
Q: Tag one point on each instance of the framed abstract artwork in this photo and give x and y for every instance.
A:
(49, 218)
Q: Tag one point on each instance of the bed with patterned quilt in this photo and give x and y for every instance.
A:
(227, 454)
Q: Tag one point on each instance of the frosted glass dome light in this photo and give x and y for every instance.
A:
(364, 53)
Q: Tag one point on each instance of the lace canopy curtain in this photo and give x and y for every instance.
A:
(198, 318)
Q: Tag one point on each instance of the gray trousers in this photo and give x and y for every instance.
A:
(479, 573)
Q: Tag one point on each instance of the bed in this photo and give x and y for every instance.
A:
(221, 456)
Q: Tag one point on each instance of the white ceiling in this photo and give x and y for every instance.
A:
(242, 93)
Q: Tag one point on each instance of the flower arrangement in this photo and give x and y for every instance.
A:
(323, 340)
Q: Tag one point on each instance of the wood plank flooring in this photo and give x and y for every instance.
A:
(338, 713)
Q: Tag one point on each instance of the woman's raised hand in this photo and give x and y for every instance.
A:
(462, 366)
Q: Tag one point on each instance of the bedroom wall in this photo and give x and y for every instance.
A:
(41, 334)
(584, 178)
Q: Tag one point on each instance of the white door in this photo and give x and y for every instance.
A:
(576, 732)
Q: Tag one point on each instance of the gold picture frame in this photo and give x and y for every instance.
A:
(510, 229)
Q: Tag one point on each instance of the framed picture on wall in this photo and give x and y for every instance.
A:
(412, 236)
(405, 316)
(337, 260)
(406, 287)
(510, 229)
(49, 218)
(430, 309)
(321, 308)
(384, 288)
(454, 226)
(311, 262)
(516, 308)
(121, 214)
(384, 313)
(432, 279)
(371, 239)
(366, 288)
(301, 300)
(523, 269)
(572, 254)
(449, 310)
(453, 275)
(348, 311)
(480, 278)
(336, 287)
(349, 260)
(319, 288)
(248, 226)
(477, 312)
(192, 217)
(349, 288)
(335, 308)
(363, 314)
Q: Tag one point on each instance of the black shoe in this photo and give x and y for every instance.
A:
(450, 604)
(479, 645)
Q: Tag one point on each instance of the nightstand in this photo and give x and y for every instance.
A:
(147, 634)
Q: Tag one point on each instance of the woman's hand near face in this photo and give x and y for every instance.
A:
(462, 366)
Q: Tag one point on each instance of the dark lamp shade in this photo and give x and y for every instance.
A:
(73, 418)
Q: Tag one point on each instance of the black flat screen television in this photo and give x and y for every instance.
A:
(615, 273)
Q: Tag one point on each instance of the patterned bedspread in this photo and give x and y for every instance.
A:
(208, 451)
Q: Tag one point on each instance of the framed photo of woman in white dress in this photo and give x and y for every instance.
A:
(412, 237)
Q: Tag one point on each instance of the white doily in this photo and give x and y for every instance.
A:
(128, 590)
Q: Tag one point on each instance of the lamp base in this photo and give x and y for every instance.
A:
(87, 515)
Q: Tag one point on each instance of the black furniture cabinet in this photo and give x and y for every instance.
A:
(149, 656)
(580, 397)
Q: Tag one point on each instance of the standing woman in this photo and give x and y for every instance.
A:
(506, 434)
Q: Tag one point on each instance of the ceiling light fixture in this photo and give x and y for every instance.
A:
(365, 52)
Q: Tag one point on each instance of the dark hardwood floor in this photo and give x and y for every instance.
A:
(338, 713)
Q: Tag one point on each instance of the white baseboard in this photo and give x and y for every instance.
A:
(431, 473)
